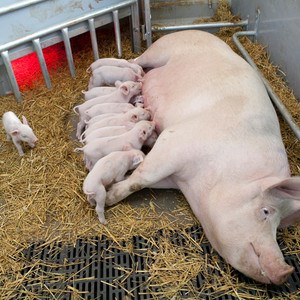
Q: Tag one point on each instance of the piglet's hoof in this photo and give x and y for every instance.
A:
(103, 221)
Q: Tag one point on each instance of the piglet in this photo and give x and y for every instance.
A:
(108, 110)
(133, 139)
(116, 62)
(108, 75)
(98, 91)
(137, 100)
(123, 94)
(151, 139)
(109, 169)
(107, 131)
(134, 115)
(18, 132)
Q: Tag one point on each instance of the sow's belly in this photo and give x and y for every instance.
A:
(182, 90)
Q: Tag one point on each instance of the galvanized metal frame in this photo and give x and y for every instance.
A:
(148, 28)
(64, 29)
(244, 23)
(273, 96)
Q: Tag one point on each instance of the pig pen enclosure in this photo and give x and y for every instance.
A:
(52, 244)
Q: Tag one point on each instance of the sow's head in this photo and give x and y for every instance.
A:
(245, 233)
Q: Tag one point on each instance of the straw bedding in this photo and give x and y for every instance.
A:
(41, 195)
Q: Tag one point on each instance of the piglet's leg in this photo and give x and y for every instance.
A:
(158, 165)
(100, 203)
(91, 200)
(19, 147)
(80, 128)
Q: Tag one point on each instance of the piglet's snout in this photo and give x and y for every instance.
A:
(33, 143)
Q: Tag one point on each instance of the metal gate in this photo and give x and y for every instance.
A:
(31, 25)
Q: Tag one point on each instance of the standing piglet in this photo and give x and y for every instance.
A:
(108, 75)
(109, 169)
(17, 131)
(133, 139)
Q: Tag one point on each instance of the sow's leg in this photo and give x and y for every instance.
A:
(155, 171)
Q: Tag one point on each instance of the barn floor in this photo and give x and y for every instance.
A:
(53, 246)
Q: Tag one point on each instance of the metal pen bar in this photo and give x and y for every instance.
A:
(210, 25)
(18, 5)
(11, 75)
(93, 38)
(275, 99)
(135, 25)
(67, 24)
(38, 49)
(117, 32)
(63, 27)
(65, 35)
(147, 17)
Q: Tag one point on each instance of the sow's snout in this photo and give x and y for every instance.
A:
(268, 265)
(276, 270)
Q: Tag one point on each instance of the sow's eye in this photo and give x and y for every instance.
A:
(266, 212)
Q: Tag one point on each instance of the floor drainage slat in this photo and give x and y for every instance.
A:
(98, 269)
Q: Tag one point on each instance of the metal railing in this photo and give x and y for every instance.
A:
(63, 28)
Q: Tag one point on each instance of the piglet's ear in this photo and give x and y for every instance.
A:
(124, 89)
(137, 159)
(14, 133)
(143, 135)
(134, 118)
(24, 120)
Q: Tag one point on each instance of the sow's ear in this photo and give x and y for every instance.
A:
(289, 191)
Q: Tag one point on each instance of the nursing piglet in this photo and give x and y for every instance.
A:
(117, 63)
(17, 131)
(137, 100)
(104, 109)
(151, 139)
(98, 91)
(133, 139)
(109, 169)
(107, 131)
(108, 75)
(123, 94)
(134, 115)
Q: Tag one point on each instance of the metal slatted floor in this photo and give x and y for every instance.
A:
(99, 270)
